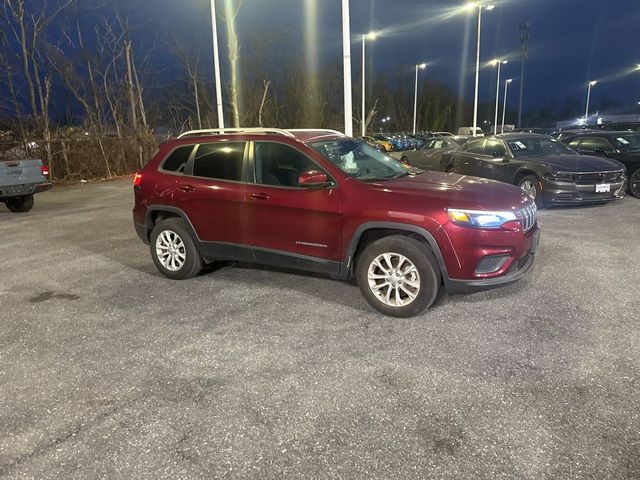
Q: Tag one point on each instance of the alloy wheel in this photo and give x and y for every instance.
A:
(393, 279)
(170, 250)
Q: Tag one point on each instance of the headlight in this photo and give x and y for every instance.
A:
(563, 176)
(481, 218)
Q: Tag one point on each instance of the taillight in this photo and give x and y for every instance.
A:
(45, 170)
(137, 179)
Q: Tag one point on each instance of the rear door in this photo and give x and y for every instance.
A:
(466, 160)
(290, 223)
(212, 192)
(495, 162)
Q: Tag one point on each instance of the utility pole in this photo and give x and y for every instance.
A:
(346, 60)
(524, 54)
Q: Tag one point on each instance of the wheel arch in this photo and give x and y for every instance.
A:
(369, 232)
(523, 172)
(158, 213)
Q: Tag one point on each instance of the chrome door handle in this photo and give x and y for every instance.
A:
(260, 196)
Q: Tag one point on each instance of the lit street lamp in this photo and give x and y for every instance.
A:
(479, 6)
(504, 104)
(346, 65)
(497, 62)
(586, 111)
(421, 66)
(216, 64)
(365, 37)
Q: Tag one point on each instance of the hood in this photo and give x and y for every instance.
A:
(577, 163)
(458, 191)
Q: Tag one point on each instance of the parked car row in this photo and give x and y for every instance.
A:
(592, 167)
(393, 142)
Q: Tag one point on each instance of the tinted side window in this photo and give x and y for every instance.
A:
(574, 143)
(222, 161)
(495, 148)
(280, 165)
(474, 147)
(177, 160)
(591, 144)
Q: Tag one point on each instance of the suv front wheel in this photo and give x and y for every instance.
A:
(398, 276)
(174, 250)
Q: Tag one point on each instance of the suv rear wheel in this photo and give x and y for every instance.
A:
(398, 276)
(174, 251)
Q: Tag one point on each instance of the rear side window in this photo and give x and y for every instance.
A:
(222, 161)
(177, 160)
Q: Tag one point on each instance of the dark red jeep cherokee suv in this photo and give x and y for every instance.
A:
(319, 201)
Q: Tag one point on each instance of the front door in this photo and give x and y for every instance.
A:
(292, 225)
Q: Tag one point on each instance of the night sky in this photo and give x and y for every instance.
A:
(572, 41)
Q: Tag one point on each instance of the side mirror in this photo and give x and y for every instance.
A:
(313, 179)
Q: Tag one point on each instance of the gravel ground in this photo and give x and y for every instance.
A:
(109, 370)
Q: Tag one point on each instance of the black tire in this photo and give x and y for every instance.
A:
(187, 248)
(634, 183)
(404, 159)
(20, 204)
(426, 267)
(533, 183)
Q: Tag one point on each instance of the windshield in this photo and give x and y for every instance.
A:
(360, 160)
(628, 142)
(537, 146)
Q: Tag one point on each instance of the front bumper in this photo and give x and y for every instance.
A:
(522, 258)
(569, 193)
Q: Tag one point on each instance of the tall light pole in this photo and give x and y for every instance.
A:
(586, 111)
(504, 103)
(498, 62)
(346, 61)
(479, 6)
(420, 66)
(365, 37)
(216, 64)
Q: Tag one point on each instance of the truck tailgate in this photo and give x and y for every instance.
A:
(20, 172)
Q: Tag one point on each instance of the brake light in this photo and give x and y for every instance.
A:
(137, 179)
(45, 170)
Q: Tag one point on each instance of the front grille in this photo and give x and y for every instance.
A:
(591, 178)
(528, 216)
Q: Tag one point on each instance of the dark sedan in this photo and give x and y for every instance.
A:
(544, 168)
(621, 146)
(429, 155)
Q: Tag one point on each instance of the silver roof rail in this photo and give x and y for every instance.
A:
(319, 130)
(223, 131)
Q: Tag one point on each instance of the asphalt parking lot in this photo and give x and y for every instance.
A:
(108, 370)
